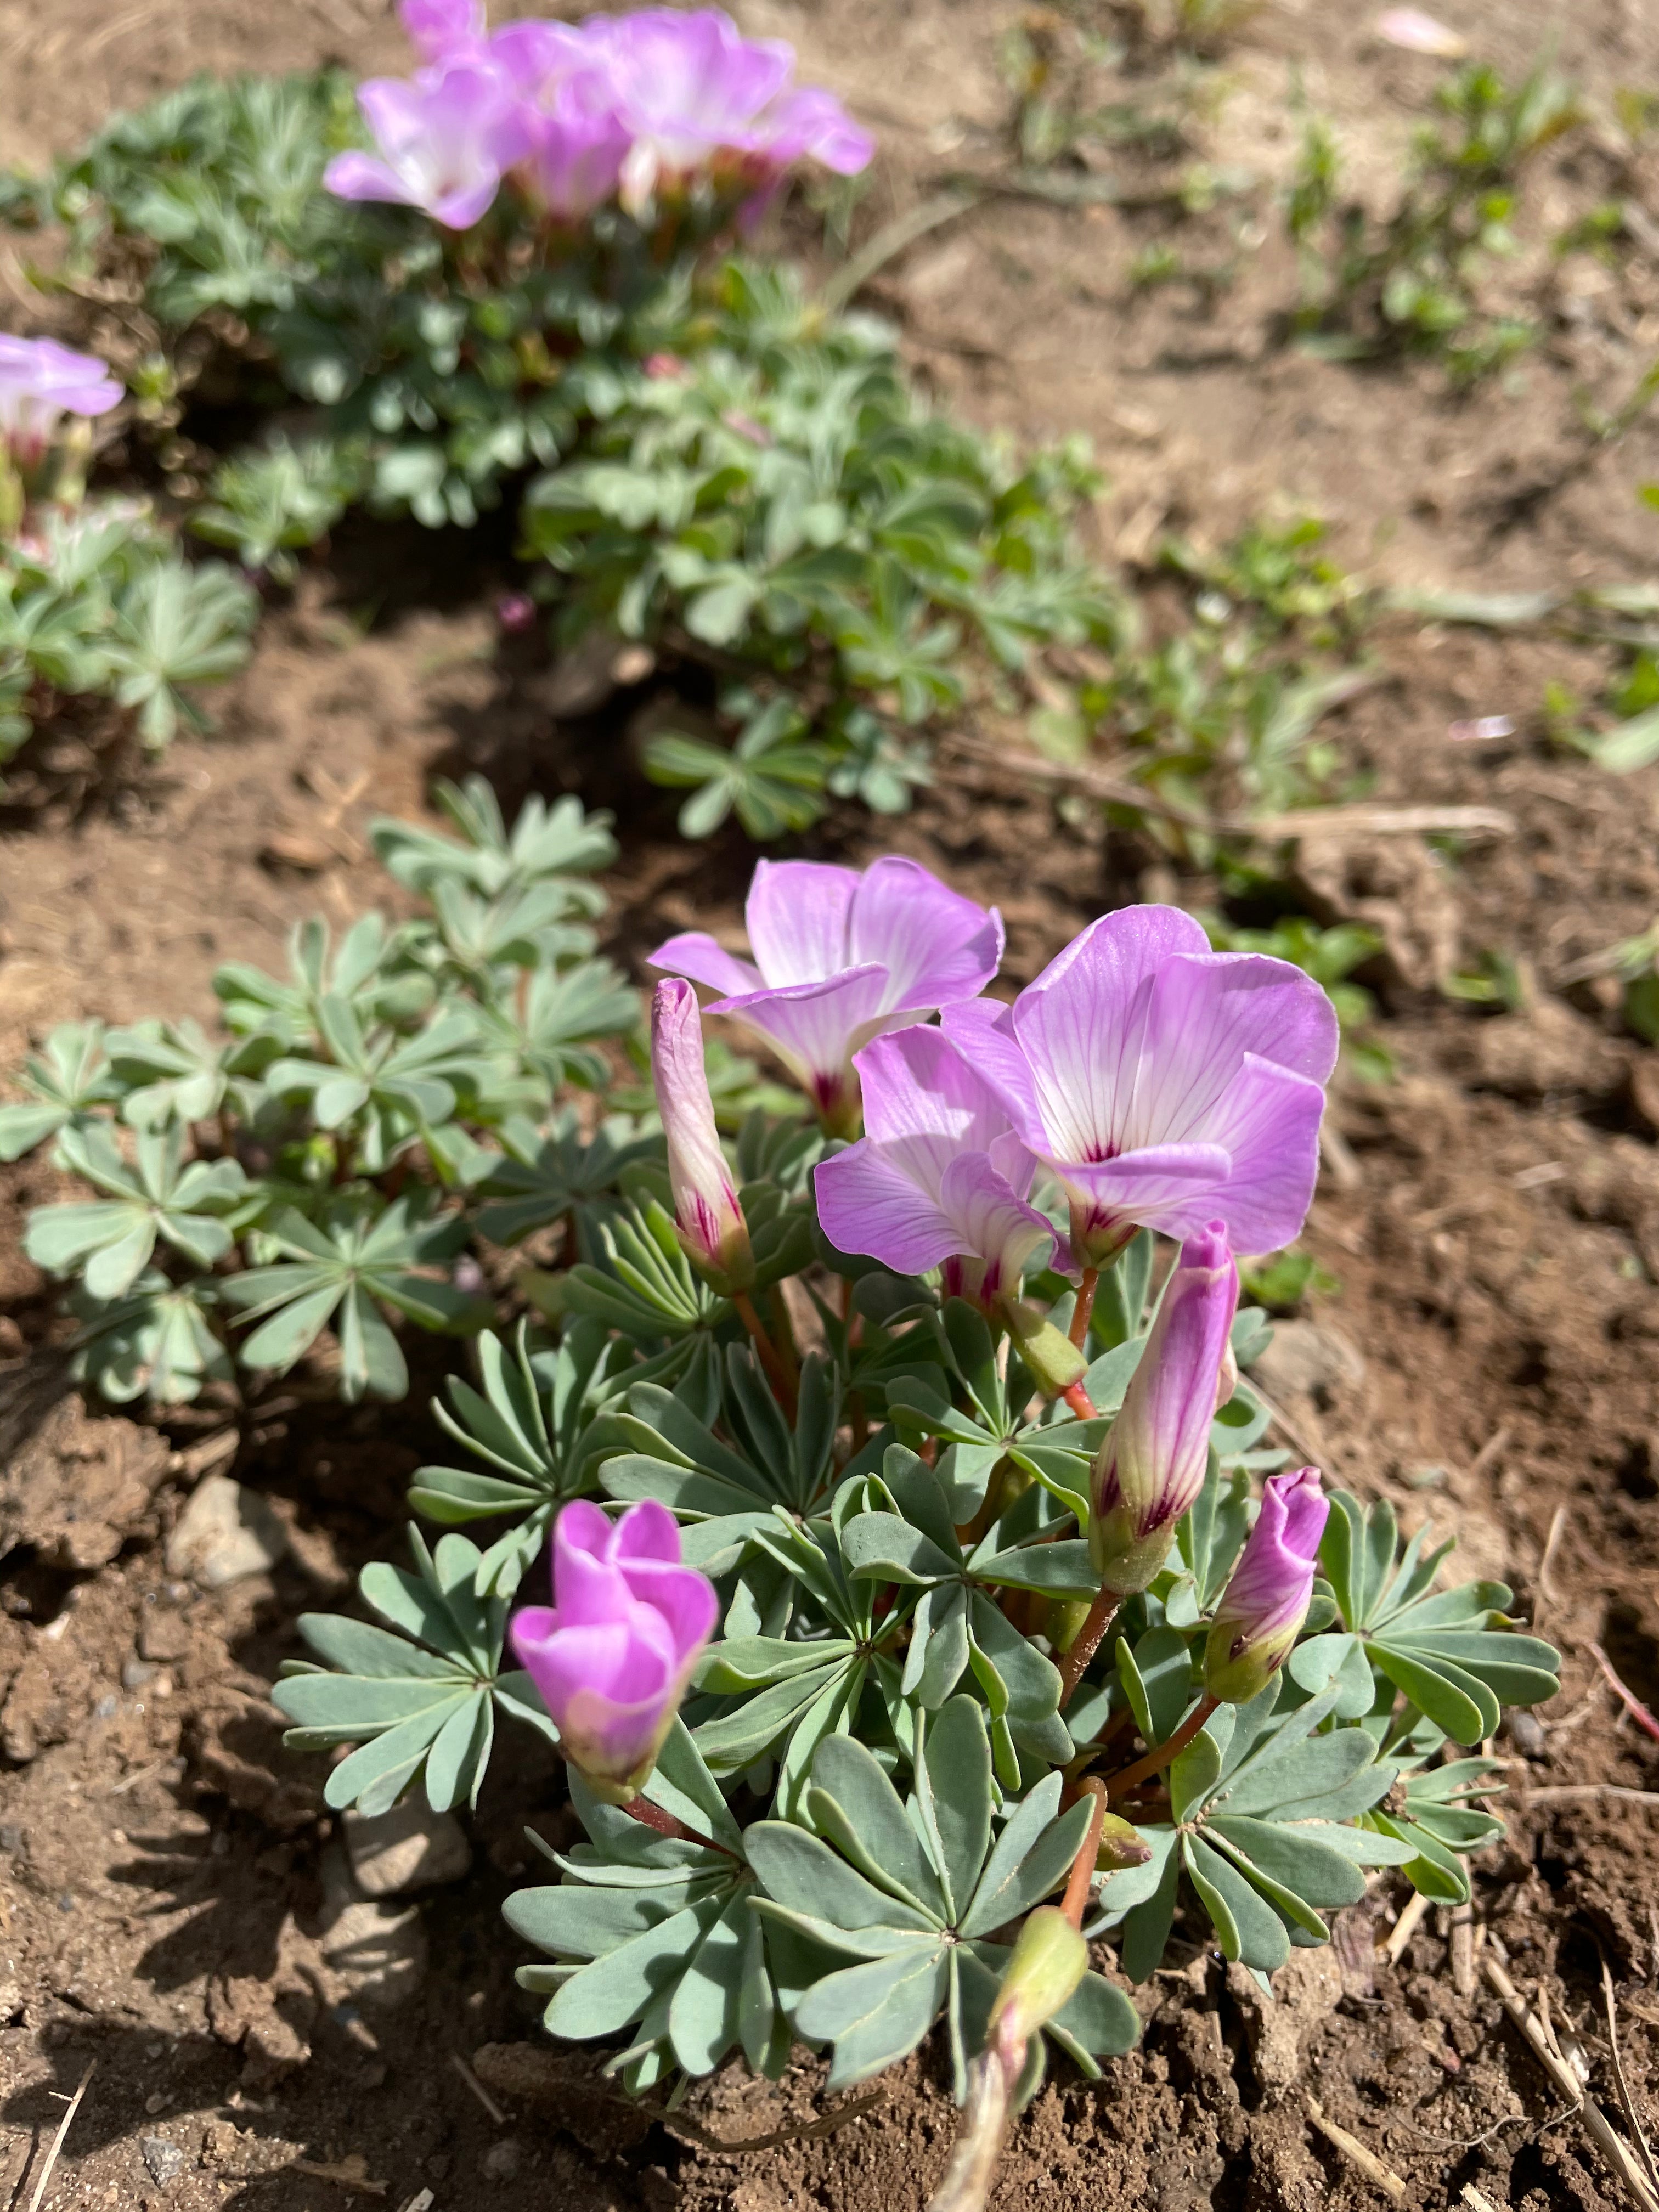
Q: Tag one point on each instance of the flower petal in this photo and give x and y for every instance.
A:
(797, 915)
(1269, 1123)
(812, 1026)
(992, 1222)
(695, 953)
(1080, 1025)
(1205, 1013)
(867, 1206)
(936, 945)
(1174, 1187)
(982, 1032)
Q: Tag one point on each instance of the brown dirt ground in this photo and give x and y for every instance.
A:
(1493, 1227)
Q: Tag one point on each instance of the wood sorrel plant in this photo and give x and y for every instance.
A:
(96, 607)
(913, 1621)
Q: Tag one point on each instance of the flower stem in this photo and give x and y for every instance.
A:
(1079, 1401)
(1083, 1866)
(1086, 1643)
(648, 1815)
(1083, 1312)
(1152, 1762)
(766, 1351)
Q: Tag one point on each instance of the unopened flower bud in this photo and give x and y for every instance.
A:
(1121, 1846)
(612, 1654)
(1050, 1958)
(1152, 1463)
(1054, 1362)
(1265, 1604)
(707, 1212)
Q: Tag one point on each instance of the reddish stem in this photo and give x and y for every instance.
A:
(1083, 1309)
(1152, 1762)
(1079, 1401)
(766, 1351)
(654, 1816)
(1085, 1645)
(1632, 1704)
(1083, 1866)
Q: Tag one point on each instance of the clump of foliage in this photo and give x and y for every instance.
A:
(327, 1161)
(967, 1611)
(1410, 282)
(105, 635)
(698, 454)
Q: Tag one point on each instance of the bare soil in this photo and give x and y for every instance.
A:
(1492, 1224)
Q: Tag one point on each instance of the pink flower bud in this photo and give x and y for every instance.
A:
(612, 1654)
(1152, 1463)
(1264, 1605)
(705, 1208)
(515, 611)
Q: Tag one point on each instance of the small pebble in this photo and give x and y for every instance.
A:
(165, 2161)
(1526, 1734)
(502, 2160)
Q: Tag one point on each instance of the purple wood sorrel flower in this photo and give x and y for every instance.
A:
(707, 1211)
(939, 1179)
(1265, 1604)
(1152, 1463)
(443, 142)
(839, 958)
(1166, 1085)
(612, 1654)
(444, 30)
(690, 90)
(41, 382)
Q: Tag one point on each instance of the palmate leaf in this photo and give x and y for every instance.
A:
(552, 1030)
(560, 844)
(177, 627)
(110, 1240)
(158, 1339)
(1260, 1812)
(539, 1428)
(554, 1171)
(344, 1270)
(365, 969)
(900, 1529)
(65, 1084)
(644, 1285)
(915, 1895)
(418, 1697)
(654, 1935)
(1453, 1653)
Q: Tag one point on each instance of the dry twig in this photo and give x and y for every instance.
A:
(1559, 1790)
(1546, 1590)
(478, 2090)
(1406, 1927)
(1625, 2096)
(351, 2173)
(1611, 2144)
(825, 2125)
(58, 2140)
(1351, 2148)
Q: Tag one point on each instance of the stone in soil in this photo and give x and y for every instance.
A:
(165, 2161)
(377, 1954)
(411, 1847)
(225, 1534)
(1309, 1359)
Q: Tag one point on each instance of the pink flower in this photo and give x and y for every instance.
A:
(612, 1654)
(443, 142)
(705, 1208)
(839, 958)
(1265, 1604)
(1420, 34)
(691, 91)
(444, 30)
(515, 611)
(938, 1179)
(1167, 1086)
(41, 382)
(1152, 1463)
